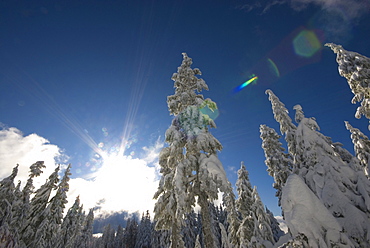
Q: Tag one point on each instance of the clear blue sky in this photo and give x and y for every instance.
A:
(84, 74)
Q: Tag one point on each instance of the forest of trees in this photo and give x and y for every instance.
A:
(323, 190)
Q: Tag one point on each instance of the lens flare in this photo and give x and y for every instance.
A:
(245, 84)
(273, 67)
(306, 44)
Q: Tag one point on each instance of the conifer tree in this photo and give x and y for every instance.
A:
(36, 224)
(8, 236)
(85, 240)
(244, 205)
(279, 163)
(130, 234)
(70, 228)
(56, 208)
(189, 165)
(190, 229)
(361, 146)
(232, 217)
(262, 227)
(281, 116)
(276, 230)
(356, 69)
(144, 233)
(108, 237)
(216, 231)
(22, 205)
(119, 236)
(331, 179)
(7, 196)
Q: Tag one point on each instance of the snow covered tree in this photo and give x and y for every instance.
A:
(232, 217)
(262, 233)
(344, 191)
(108, 237)
(34, 232)
(189, 165)
(56, 209)
(7, 197)
(22, 205)
(8, 237)
(144, 233)
(276, 231)
(190, 229)
(119, 237)
(356, 69)
(130, 234)
(281, 116)
(278, 162)
(71, 225)
(85, 240)
(361, 146)
(244, 205)
(216, 231)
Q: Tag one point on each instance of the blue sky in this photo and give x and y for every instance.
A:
(90, 76)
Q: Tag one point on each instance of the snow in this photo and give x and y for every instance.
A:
(305, 214)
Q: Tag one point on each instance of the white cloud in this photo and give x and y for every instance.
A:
(351, 8)
(26, 150)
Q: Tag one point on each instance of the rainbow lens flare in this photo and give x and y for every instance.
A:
(245, 84)
(306, 44)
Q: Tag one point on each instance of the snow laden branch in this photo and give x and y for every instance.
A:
(356, 69)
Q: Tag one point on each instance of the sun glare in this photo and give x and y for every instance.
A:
(121, 183)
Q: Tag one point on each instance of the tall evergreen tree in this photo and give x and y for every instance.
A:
(8, 237)
(130, 234)
(56, 208)
(108, 237)
(119, 237)
(281, 116)
(36, 224)
(361, 146)
(7, 189)
(232, 217)
(356, 69)
(278, 162)
(244, 205)
(71, 225)
(143, 239)
(262, 232)
(189, 165)
(216, 231)
(85, 240)
(190, 229)
(22, 205)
